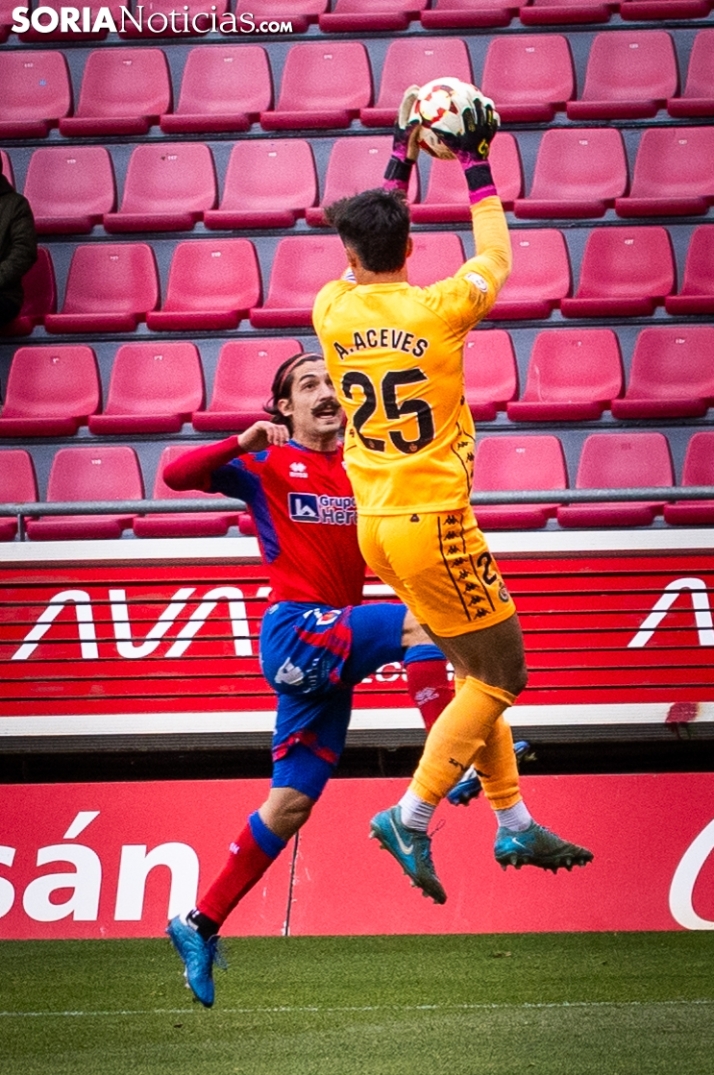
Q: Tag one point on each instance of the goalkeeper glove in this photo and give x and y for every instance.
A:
(405, 148)
(471, 148)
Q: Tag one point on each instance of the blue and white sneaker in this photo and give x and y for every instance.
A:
(538, 846)
(198, 958)
(469, 787)
(411, 849)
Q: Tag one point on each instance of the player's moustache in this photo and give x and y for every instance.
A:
(329, 407)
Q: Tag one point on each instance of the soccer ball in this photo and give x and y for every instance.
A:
(439, 106)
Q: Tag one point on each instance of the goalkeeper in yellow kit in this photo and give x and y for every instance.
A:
(395, 355)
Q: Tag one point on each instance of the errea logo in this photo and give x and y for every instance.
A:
(298, 470)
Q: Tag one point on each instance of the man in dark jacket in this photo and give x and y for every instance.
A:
(18, 248)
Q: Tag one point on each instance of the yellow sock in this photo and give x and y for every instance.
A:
(497, 768)
(460, 733)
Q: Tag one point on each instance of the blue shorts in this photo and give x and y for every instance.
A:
(312, 657)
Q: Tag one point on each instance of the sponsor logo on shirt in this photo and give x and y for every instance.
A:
(321, 508)
(298, 470)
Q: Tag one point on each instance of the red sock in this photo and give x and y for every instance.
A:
(246, 865)
(429, 687)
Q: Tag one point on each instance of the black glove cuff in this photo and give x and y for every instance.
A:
(401, 170)
(478, 176)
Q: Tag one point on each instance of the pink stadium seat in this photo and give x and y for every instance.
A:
(124, 91)
(697, 98)
(245, 368)
(636, 10)
(6, 19)
(530, 76)
(70, 34)
(629, 75)
(212, 285)
(324, 84)
(415, 59)
(223, 88)
(540, 277)
(40, 296)
(671, 375)
(578, 173)
(490, 372)
(697, 294)
(18, 485)
(517, 463)
(269, 183)
(69, 189)
(168, 187)
(620, 461)
(102, 472)
(356, 164)
(463, 14)
(446, 199)
(698, 470)
(110, 287)
(7, 168)
(674, 173)
(367, 16)
(302, 264)
(154, 388)
(624, 272)
(163, 25)
(559, 12)
(435, 255)
(573, 376)
(36, 93)
(185, 524)
(51, 391)
(301, 13)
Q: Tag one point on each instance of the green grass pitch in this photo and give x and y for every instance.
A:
(546, 1004)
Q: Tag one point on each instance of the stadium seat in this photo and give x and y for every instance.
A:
(184, 524)
(124, 91)
(540, 277)
(244, 371)
(578, 173)
(102, 472)
(301, 265)
(18, 485)
(698, 470)
(163, 25)
(324, 84)
(154, 388)
(697, 293)
(110, 287)
(356, 164)
(624, 272)
(435, 255)
(490, 372)
(40, 296)
(7, 168)
(36, 92)
(464, 14)
(531, 76)
(637, 10)
(269, 183)
(673, 175)
(168, 187)
(6, 19)
(369, 16)
(697, 98)
(301, 13)
(58, 34)
(69, 189)
(50, 391)
(619, 461)
(223, 88)
(446, 199)
(416, 59)
(517, 463)
(573, 376)
(212, 285)
(629, 75)
(671, 374)
(562, 12)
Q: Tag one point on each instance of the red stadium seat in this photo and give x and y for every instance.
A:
(540, 277)
(7, 168)
(212, 285)
(517, 463)
(624, 272)
(158, 21)
(671, 375)
(446, 199)
(36, 93)
(124, 91)
(18, 485)
(6, 19)
(102, 472)
(629, 75)
(184, 524)
(698, 470)
(51, 391)
(417, 59)
(168, 187)
(69, 189)
(637, 10)
(530, 76)
(154, 388)
(435, 255)
(356, 164)
(697, 98)
(301, 266)
(490, 372)
(110, 288)
(301, 13)
(245, 369)
(223, 88)
(620, 461)
(573, 376)
(464, 14)
(674, 173)
(269, 183)
(40, 296)
(560, 12)
(367, 16)
(697, 294)
(578, 173)
(324, 84)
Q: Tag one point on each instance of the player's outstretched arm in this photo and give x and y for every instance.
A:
(193, 470)
(405, 148)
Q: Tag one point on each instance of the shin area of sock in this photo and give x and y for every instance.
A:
(497, 768)
(253, 851)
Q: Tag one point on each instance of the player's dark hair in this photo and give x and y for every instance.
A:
(376, 225)
(282, 386)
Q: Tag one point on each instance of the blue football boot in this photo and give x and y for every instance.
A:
(411, 849)
(538, 846)
(198, 957)
(469, 787)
